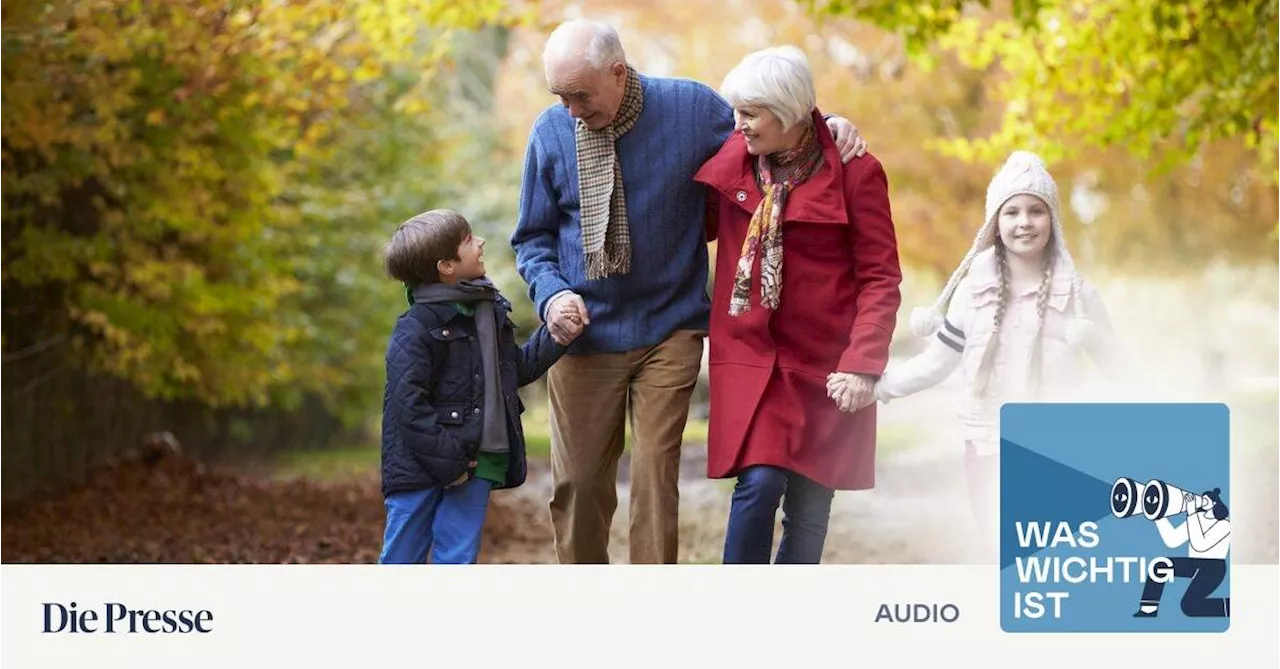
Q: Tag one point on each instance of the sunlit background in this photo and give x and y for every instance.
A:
(196, 192)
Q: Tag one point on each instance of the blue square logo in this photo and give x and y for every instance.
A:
(1115, 518)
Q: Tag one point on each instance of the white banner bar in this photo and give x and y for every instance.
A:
(608, 616)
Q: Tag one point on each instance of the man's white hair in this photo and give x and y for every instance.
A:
(777, 79)
(603, 47)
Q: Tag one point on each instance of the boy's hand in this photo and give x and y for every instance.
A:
(567, 316)
(465, 475)
(570, 311)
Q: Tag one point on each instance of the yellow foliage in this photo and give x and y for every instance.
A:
(151, 150)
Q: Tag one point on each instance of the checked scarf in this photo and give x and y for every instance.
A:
(606, 235)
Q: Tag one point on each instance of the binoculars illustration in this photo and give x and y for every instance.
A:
(1155, 499)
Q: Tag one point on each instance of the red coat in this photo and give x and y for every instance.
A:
(837, 312)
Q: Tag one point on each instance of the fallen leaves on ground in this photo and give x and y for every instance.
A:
(167, 508)
(172, 509)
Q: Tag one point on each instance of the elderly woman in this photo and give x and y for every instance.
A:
(803, 309)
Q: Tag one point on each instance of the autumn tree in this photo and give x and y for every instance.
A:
(936, 120)
(1159, 118)
(1156, 78)
(195, 191)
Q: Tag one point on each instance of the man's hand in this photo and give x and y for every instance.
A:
(566, 317)
(848, 141)
(569, 310)
(851, 391)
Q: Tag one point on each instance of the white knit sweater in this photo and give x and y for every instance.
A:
(968, 330)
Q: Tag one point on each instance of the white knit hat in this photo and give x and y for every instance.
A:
(1023, 173)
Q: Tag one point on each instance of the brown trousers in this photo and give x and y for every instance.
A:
(590, 398)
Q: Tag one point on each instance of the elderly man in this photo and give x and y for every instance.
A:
(610, 238)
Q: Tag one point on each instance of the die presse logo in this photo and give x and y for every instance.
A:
(1114, 518)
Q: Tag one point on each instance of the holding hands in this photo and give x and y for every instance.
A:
(851, 391)
(566, 318)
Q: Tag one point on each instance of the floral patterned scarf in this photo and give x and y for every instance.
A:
(776, 175)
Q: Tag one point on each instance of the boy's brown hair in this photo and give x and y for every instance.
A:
(423, 241)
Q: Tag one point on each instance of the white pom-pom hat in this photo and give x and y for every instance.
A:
(1023, 173)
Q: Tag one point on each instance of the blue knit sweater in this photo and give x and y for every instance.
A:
(682, 125)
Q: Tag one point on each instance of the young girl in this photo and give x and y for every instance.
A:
(1013, 316)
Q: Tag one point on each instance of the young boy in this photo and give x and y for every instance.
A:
(451, 429)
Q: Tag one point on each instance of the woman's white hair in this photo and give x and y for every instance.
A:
(603, 46)
(777, 79)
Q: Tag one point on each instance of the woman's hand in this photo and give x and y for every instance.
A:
(851, 391)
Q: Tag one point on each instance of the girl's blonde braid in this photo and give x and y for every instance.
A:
(985, 371)
(1036, 369)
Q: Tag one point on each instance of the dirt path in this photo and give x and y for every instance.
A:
(176, 511)
(917, 513)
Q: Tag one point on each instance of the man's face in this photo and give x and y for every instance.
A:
(591, 95)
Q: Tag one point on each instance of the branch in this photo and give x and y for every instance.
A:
(34, 348)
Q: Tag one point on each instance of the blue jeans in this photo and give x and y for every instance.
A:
(444, 522)
(806, 509)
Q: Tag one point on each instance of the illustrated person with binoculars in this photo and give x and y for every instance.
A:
(1207, 530)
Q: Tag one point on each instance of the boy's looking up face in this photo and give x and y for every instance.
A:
(435, 246)
(470, 262)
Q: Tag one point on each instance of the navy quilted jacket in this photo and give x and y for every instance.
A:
(432, 409)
